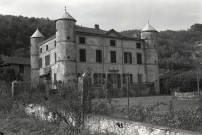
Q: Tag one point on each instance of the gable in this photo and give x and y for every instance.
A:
(113, 33)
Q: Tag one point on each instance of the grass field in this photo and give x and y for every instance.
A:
(153, 100)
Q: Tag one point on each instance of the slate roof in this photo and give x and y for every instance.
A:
(100, 32)
(67, 16)
(15, 60)
(97, 32)
(37, 33)
(90, 30)
(148, 28)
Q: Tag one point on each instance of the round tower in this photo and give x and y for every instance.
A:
(66, 47)
(149, 34)
(34, 52)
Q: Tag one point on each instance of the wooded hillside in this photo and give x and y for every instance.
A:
(15, 31)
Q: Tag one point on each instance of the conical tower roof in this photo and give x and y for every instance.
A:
(148, 28)
(37, 34)
(67, 16)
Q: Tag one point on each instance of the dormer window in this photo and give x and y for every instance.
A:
(112, 42)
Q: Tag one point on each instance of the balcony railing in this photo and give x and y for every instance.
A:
(44, 71)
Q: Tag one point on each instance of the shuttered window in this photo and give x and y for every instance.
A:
(128, 57)
(139, 58)
(82, 53)
(99, 78)
(127, 77)
(47, 60)
(113, 56)
(99, 56)
(40, 63)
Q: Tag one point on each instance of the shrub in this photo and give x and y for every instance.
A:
(6, 104)
(104, 107)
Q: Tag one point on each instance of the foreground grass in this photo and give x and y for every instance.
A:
(16, 124)
(152, 100)
(21, 124)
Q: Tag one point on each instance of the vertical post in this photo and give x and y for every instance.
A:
(198, 88)
(128, 97)
(80, 87)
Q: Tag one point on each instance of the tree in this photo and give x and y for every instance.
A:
(196, 27)
(1, 64)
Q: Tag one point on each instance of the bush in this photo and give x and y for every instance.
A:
(6, 105)
(104, 107)
(186, 82)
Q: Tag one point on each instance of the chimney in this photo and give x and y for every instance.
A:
(97, 26)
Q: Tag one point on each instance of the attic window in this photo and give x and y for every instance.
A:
(40, 50)
(112, 43)
(68, 37)
(46, 47)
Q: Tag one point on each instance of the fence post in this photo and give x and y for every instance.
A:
(128, 97)
(198, 88)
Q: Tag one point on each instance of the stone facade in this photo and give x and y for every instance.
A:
(110, 55)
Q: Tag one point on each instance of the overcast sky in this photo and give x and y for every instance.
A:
(117, 14)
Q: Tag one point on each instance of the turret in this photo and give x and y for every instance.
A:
(34, 52)
(149, 34)
(66, 47)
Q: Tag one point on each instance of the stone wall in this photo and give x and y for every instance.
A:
(102, 124)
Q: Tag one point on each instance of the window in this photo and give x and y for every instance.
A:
(127, 77)
(139, 58)
(21, 69)
(55, 58)
(55, 78)
(127, 57)
(98, 55)
(46, 47)
(40, 63)
(112, 43)
(114, 79)
(113, 56)
(82, 55)
(82, 40)
(138, 45)
(99, 78)
(47, 60)
(40, 50)
(55, 43)
(139, 78)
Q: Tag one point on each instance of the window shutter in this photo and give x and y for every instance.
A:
(130, 58)
(125, 57)
(119, 80)
(109, 78)
(131, 79)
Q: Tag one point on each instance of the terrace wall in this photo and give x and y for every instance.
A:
(103, 124)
